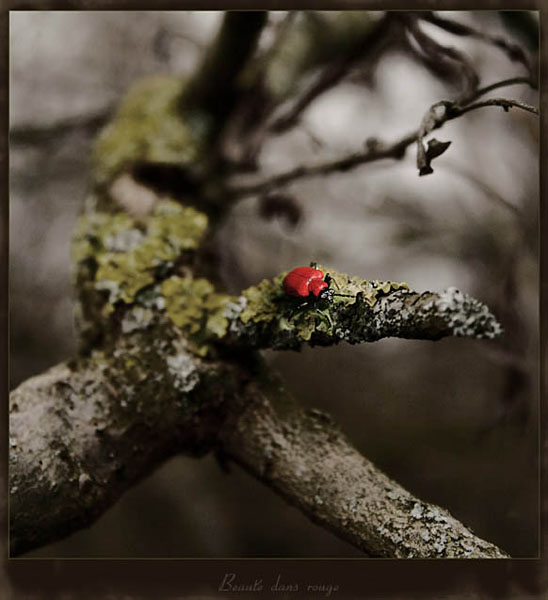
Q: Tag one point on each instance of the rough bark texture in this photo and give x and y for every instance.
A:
(77, 442)
(305, 458)
(400, 313)
(82, 433)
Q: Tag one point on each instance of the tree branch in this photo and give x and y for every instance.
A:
(33, 134)
(84, 432)
(377, 151)
(369, 45)
(505, 103)
(99, 433)
(264, 318)
(435, 118)
(513, 51)
(498, 84)
(169, 366)
(213, 87)
(329, 45)
(308, 461)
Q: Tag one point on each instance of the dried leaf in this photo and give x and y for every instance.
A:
(435, 149)
(433, 118)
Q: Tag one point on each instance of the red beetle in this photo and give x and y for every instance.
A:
(303, 282)
(309, 284)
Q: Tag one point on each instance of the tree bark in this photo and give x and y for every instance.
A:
(78, 440)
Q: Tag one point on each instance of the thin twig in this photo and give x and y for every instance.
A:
(378, 151)
(505, 103)
(444, 60)
(32, 134)
(513, 51)
(378, 38)
(498, 84)
(489, 192)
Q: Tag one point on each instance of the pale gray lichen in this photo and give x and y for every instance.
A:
(182, 367)
(260, 317)
(137, 317)
(416, 513)
(125, 240)
(466, 316)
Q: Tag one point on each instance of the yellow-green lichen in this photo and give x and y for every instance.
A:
(267, 302)
(307, 322)
(262, 300)
(194, 307)
(92, 232)
(149, 126)
(127, 253)
(371, 290)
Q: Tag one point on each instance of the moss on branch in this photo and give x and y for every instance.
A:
(133, 271)
(150, 127)
(120, 263)
(264, 317)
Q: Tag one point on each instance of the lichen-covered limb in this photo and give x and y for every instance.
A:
(263, 317)
(82, 433)
(132, 271)
(306, 459)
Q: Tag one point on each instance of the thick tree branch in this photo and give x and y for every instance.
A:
(213, 87)
(83, 432)
(307, 460)
(97, 437)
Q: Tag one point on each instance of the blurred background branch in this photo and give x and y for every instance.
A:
(376, 150)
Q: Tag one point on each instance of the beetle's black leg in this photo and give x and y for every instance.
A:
(297, 308)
